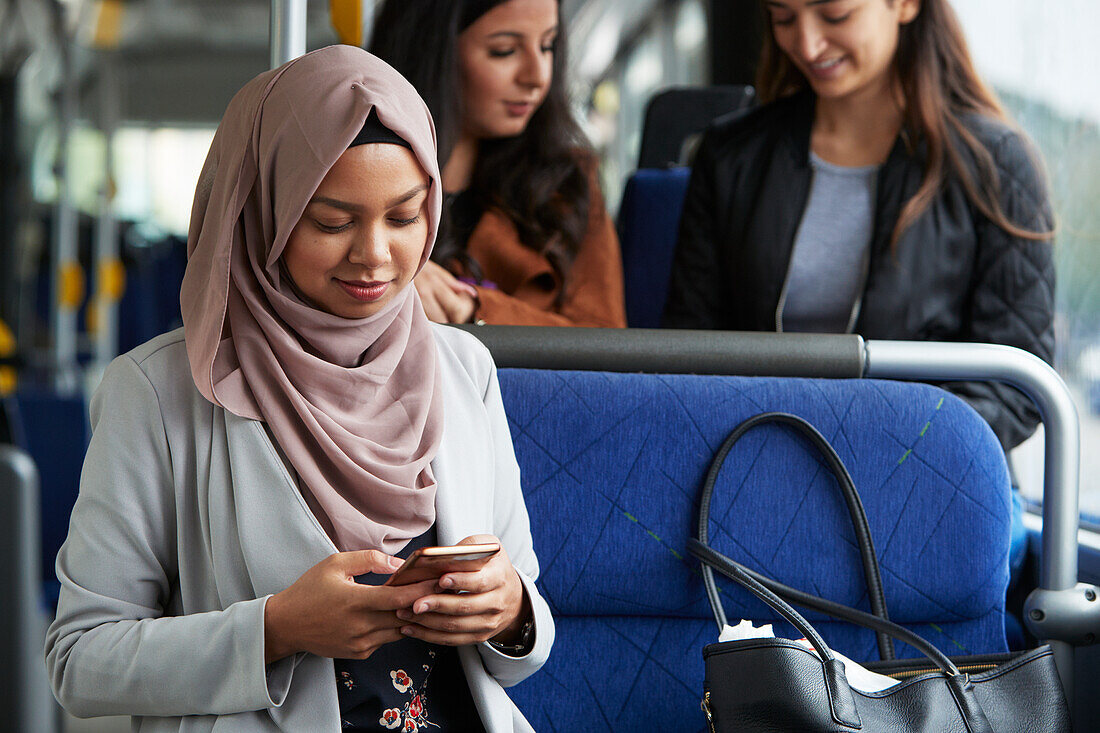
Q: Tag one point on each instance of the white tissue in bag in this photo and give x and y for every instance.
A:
(745, 630)
(859, 677)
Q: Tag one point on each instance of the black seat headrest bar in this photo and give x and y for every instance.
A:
(672, 351)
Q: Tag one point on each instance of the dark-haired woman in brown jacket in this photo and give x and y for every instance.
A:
(525, 238)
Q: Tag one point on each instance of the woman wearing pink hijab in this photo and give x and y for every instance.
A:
(307, 427)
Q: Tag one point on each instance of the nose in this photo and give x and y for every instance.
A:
(536, 70)
(371, 248)
(811, 41)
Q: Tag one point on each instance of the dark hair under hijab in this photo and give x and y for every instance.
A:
(538, 178)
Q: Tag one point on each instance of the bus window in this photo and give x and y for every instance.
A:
(1042, 60)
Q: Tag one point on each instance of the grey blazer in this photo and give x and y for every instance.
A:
(188, 520)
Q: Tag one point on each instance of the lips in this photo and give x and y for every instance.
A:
(826, 69)
(366, 292)
(519, 109)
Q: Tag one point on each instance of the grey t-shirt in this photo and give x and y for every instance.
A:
(829, 260)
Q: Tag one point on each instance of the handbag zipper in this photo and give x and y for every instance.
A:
(705, 705)
(908, 673)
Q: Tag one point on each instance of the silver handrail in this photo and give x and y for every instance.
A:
(24, 689)
(1061, 610)
(287, 30)
(1061, 469)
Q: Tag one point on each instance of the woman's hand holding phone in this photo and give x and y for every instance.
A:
(325, 612)
(470, 607)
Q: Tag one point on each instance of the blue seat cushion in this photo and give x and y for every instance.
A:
(649, 223)
(55, 432)
(611, 468)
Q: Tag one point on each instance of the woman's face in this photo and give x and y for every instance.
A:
(362, 235)
(840, 46)
(506, 60)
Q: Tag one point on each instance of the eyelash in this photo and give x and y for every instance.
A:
(499, 54)
(343, 227)
(832, 21)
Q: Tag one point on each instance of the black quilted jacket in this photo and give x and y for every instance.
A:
(954, 275)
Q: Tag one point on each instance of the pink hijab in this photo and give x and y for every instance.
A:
(355, 404)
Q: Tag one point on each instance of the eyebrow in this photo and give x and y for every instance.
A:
(774, 4)
(517, 34)
(356, 208)
(408, 195)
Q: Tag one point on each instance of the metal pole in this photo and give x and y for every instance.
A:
(1035, 378)
(108, 270)
(24, 688)
(287, 30)
(10, 180)
(67, 277)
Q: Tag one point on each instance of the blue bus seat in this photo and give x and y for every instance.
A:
(11, 428)
(649, 221)
(150, 304)
(55, 432)
(675, 115)
(611, 466)
(649, 214)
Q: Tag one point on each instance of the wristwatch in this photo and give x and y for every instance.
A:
(526, 636)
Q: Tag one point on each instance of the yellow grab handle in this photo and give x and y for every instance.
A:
(7, 348)
(71, 291)
(111, 280)
(108, 25)
(347, 20)
(91, 316)
(8, 381)
(7, 340)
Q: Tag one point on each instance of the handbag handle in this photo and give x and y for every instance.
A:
(855, 511)
(757, 585)
(841, 701)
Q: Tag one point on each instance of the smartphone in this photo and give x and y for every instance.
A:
(431, 562)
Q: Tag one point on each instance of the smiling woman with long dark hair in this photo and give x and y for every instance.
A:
(881, 190)
(525, 237)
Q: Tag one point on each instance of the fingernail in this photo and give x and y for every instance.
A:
(407, 630)
(404, 615)
(446, 581)
(421, 608)
(395, 562)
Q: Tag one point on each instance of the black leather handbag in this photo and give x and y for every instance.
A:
(771, 685)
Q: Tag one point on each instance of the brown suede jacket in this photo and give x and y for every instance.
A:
(527, 287)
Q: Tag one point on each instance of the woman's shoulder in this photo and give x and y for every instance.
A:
(1010, 147)
(1015, 156)
(462, 352)
(159, 366)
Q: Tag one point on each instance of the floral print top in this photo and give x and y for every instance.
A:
(409, 685)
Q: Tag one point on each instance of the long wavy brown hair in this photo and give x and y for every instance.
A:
(940, 86)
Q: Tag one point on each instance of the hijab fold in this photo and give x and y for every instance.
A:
(355, 404)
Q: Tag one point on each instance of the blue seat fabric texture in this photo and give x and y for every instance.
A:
(611, 469)
(54, 430)
(649, 223)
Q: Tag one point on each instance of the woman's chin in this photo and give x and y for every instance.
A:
(506, 128)
(353, 310)
(834, 89)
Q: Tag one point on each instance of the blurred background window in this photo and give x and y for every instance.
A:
(1042, 59)
(155, 168)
